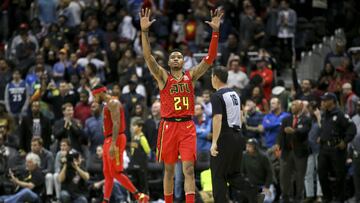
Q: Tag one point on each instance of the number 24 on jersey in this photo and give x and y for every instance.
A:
(181, 103)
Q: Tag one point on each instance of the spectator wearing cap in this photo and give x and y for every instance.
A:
(293, 143)
(37, 125)
(257, 168)
(82, 109)
(22, 37)
(336, 131)
(60, 66)
(350, 99)
(355, 155)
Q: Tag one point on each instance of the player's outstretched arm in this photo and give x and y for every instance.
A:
(206, 63)
(156, 70)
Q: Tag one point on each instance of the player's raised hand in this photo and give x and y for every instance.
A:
(145, 22)
(215, 19)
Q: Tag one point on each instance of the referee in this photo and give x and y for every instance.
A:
(227, 144)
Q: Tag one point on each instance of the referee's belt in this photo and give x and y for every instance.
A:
(178, 119)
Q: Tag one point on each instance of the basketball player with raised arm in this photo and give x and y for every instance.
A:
(177, 133)
(114, 145)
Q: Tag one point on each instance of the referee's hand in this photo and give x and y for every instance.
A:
(213, 149)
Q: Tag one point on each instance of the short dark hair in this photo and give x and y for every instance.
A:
(92, 68)
(176, 50)
(66, 140)
(38, 140)
(64, 106)
(138, 122)
(221, 73)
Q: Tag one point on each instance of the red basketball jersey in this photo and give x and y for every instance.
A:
(108, 124)
(177, 98)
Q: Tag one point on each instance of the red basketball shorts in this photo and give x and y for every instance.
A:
(174, 139)
(115, 164)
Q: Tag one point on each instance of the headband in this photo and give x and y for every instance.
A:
(98, 90)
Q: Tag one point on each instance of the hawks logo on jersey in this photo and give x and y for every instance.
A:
(177, 97)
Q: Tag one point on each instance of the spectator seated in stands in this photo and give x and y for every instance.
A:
(30, 186)
(46, 165)
(65, 147)
(9, 158)
(73, 179)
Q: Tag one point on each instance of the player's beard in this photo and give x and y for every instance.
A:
(176, 67)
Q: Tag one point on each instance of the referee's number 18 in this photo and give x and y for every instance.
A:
(181, 103)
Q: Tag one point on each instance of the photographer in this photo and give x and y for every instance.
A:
(73, 179)
(31, 186)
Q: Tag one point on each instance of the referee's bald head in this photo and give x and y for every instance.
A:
(221, 73)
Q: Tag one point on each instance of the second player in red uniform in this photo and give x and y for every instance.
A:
(177, 133)
(114, 145)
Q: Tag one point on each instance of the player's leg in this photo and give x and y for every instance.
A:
(117, 167)
(189, 183)
(187, 149)
(168, 182)
(109, 180)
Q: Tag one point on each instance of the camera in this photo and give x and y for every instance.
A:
(70, 156)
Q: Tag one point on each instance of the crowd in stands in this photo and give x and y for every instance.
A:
(53, 51)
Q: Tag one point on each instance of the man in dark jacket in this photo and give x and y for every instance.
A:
(257, 168)
(38, 125)
(336, 131)
(292, 142)
(70, 128)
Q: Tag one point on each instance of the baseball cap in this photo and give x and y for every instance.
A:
(329, 96)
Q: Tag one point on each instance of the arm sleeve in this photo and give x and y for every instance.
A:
(269, 172)
(302, 133)
(269, 125)
(145, 145)
(349, 127)
(6, 97)
(216, 105)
